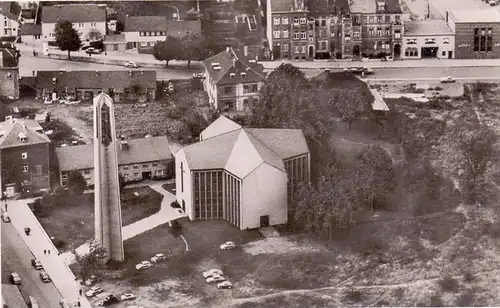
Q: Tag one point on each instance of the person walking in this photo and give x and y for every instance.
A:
(48, 251)
(81, 292)
(45, 251)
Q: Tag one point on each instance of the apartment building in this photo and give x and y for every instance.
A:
(86, 19)
(10, 13)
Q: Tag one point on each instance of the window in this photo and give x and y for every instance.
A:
(397, 34)
(276, 34)
(323, 45)
(144, 44)
(296, 35)
(303, 20)
(323, 22)
(411, 41)
(125, 168)
(285, 47)
(9, 75)
(347, 38)
(92, 24)
(411, 52)
(446, 40)
(64, 176)
(295, 21)
(379, 32)
(145, 166)
(304, 48)
(371, 19)
(443, 53)
(387, 31)
(141, 33)
(370, 32)
(228, 90)
(24, 155)
(322, 34)
(243, 75)
(379, 19)
(276, 21)
(182, 178)
(25, 168)
(332, 34)
(297, 49)
(356, 34)
(81, 25)
(255, 88)
(285, 34)
(136, 174)
(155, 164)
(430, 41)
(284, 20)
(387, 18)
(363, 19)
(157, 33)
(303, 35)
(136, 167)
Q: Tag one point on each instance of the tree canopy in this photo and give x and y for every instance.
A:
(170, 49)
(67, 38)
(193, 46)
(76, 182)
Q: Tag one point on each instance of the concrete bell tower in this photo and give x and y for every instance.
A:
(107, 206)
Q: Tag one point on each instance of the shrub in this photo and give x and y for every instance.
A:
(466, 299)
(436, 300)
(353, 295)
(448, 284)
(58, 243)
(438, 88)
(468, 276)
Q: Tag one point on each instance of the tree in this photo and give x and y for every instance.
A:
(67, 38)
(121, 182)
(478, 149)
(350, 104)
(94, 35)
(47, 117)
(168, 50)
(91, 263)
(76, 182)
(193, 46)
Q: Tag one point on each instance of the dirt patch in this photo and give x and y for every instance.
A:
(279, 245)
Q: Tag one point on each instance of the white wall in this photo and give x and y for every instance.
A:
(83, 29)
(12, 27)
(135, 37)
(187, 193)
(421, 43)
(264, 192)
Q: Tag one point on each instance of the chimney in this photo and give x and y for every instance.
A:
(124, 145)
(245, 51)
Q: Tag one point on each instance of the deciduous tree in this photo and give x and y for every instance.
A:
(349, 104)
(67, 38)
(168, 50)
(193, 46)
(76, 182)
(94, 35)
(90, 263)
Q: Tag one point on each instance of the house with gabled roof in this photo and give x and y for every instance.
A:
(233, 80)
(9, 73)
(24, 159)
(10, 13)
(246, 176)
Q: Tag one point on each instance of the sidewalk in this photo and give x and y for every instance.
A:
(62, 277)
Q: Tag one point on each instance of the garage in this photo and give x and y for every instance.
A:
(429, 52)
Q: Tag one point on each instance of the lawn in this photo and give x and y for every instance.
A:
(73, 223)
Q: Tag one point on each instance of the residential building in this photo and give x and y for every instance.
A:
(115, 42)
(10, 13)
(429, 38)
(9, 73)
(30, 33)
(477, 33)
(24, 159)
(138, 159)
(84, 85)
(233, 80)
(86, 19)
(243, 175)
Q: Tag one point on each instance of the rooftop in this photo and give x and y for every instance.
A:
(476, 16)
(145, 23)
(10, 131)
(30, 29)
(112, 38)
(10, 9)
(74, 13)
(8, 57)
(240, 151)
(427, 27)
(180, 28)
(138, 151)
(95, 79)
(282, 5)
(327, 7)
(372, 6)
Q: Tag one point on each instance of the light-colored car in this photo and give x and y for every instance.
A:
(45, 277)
(143, 265)
(93, 291)
(14, 278)
(447, 79)
(225, 285)
(228, 245)
(215, 279)
(92, 280)
(127, 297)
(32, 302)
(131, 64)
(212, 272)
(36, 264)
(158, 258)
(5, 217)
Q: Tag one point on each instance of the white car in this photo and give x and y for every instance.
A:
(215, 279)
(228, 245)
(158, 258)
(225, 285)
(143, 265)
(5, 217)
(212, 272)
(94, 291)
(447, 79)
(131, 64)
(127, 297)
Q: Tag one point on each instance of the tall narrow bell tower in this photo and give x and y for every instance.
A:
(107, 206)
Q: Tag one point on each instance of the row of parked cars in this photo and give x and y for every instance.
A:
(216, 275)
(16, 279)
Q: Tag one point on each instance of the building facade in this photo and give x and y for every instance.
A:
(30, 33)
(24, 159)
(431, 38)
(10, 13)
(232, 80)
(477, 33)
(84, 85)
(9, 73)
(138, 159)
(245, 176)
(86, 19)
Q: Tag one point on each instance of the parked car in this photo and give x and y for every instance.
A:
(45, 277)
(212, 272)
(37, 264)
(359, 70)
(228, 245)
(110, 299)
(225, 285)
(131, 64)
(447, 79)
(14, 278)
(143, 265)
(32, 302)
(5, 217)
(127, 297)
(215, 279)
(93, 291)
(92, 280)
(93, 50)
(158, 258)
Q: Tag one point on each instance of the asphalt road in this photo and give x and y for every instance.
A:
(28, 64)
(16, 257)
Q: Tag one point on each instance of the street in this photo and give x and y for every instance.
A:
(16, 257)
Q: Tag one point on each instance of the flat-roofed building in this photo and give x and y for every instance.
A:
(430, 38)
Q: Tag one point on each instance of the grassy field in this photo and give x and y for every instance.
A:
(73, 221)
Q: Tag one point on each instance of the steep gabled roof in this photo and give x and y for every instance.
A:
(218, 127)
(30, 29)
(10, 9)
(8, 58)
(12, 130)
(145, 23)
(230, 61)
(74, 13)
(286, 143)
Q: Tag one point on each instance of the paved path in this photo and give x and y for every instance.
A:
(62, 277)
(166, 214)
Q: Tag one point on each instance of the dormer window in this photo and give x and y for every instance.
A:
(54, 80)
(381, 6)
(22, 137)
(231, 76)
(243, 75)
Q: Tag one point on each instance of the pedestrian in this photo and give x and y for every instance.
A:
(105, 52)
(81, 292)
(34, 53)
(78, 304)
(48, 251)
(44, 251)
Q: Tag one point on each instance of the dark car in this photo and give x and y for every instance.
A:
(44, 277)
(110, 299)
(359, 70)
